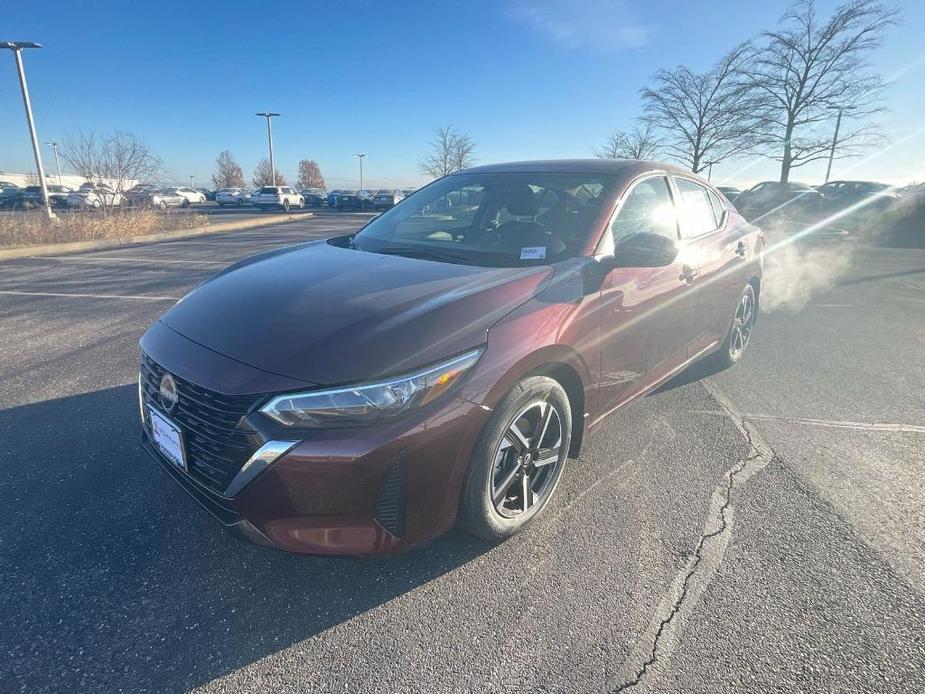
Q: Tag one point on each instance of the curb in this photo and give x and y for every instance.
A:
(100, 244)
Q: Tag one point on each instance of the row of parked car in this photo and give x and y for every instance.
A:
(799, 200)
(284, 197)
(94, 195)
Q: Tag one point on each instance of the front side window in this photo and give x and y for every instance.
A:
(647, 209)
(695, 211)
(493, 218)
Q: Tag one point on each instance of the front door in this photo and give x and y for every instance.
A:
(647, 312)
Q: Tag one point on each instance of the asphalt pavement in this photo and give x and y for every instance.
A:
(756, 530)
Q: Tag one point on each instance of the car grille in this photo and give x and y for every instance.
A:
(215, 447)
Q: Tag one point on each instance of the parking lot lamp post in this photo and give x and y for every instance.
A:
(191, 180)
(840, 109)
(54, 148)
(16, 47)
(268, 116)
(360, 155)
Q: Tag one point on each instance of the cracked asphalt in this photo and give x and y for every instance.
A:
(756, 530)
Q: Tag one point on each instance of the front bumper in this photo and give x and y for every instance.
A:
(366, 491)
(361, 491)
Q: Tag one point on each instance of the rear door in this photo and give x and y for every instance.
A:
(719, 246)
(646, 312)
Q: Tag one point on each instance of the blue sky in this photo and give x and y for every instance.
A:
(527, 79)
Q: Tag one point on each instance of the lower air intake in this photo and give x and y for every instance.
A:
(390, 509)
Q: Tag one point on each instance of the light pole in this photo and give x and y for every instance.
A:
(360, 156)
(840, 109)
(268, 116)
(54, 147)
(16, 47)
(191, 180)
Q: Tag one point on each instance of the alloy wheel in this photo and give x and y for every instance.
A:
(742, 325)
(527, 461)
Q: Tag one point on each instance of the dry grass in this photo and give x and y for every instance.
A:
(31, 228)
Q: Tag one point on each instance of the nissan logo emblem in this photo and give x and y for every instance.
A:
(170, 396)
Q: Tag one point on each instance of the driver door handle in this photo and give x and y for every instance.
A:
(741, 249)
(688, 273)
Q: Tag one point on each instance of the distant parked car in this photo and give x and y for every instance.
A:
(139, 194)
(210, 194)
(838, 195)
(30, 197)
(784, 199)
(278, 197)
(92, 195)
(385, 199)
(163, 198)
(233, 196)
(332, 196)
(8, 187)
(350, 200)
(731, 192)
(314, 197)
(192, 195)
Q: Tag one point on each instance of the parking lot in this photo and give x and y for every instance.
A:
(758, 529)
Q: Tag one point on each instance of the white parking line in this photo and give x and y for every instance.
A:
(833, 423)
(91, 296)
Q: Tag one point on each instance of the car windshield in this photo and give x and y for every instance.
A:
(497, 218)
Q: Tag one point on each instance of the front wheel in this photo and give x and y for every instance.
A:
(185, 203)
(285, 205)
(740, 332)
(518, 460)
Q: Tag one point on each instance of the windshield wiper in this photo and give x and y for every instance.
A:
(438, 254)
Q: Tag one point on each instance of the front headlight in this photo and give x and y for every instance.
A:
(369, 403)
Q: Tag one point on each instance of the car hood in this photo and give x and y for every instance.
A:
(332, 315)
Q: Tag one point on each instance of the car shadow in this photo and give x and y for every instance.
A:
(697, 371)
(114, 579)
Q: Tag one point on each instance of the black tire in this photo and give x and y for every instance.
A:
(185, 203)
(285, 205)
(491, 510)
(162, 205)
(739, 334)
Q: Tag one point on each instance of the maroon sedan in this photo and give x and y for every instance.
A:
(363, 394)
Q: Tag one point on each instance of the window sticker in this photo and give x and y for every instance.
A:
(533, 253)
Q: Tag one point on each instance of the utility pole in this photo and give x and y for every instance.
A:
(360, 156)
(54, 147)
(840, 109)
(268, 116)
(17, 47)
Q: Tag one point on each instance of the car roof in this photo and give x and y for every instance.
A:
(602, 166)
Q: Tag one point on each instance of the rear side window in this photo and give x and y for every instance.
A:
(695, 210)
(648, 209)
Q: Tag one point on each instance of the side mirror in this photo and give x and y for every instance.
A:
(645, 249)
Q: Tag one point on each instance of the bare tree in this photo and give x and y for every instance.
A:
(263, 175)
(638, 143)
(310, 175)
(703, 118)
(228, 173)
(807, 69)
(117, 161)
(450, 151)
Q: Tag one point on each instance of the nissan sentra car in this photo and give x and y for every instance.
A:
(365, 393)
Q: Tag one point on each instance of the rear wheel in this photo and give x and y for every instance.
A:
(740, 332)
(518, 460)
(285, 205)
